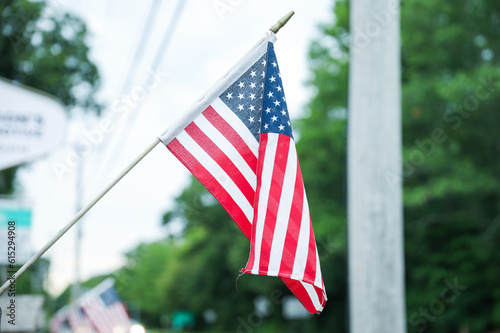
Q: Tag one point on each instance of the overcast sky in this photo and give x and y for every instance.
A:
(209, 39)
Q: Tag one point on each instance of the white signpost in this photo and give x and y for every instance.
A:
(31, 123)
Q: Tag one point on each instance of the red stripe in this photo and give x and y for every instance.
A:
(212, 185)
(293, 230)
(221, 159)
(310, 269)
(104, 319)
(232, 136)
(278, 176)
(301, 293)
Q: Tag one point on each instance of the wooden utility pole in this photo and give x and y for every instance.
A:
(375, 218)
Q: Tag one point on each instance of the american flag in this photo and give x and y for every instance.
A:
(105, 310)
(238, 142)
(78, 321)
(59, 322)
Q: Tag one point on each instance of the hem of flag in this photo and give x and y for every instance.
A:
(285, 277)
(313, 308)
(281, 275)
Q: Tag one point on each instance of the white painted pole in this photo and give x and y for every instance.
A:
(75, 290)
(375, 219)
(78, 216)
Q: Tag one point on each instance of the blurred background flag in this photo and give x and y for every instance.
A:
(59, 322)
(218, 141)
(78, 321)
(105, 310)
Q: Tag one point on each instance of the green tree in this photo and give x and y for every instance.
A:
(450, 165)
(45, 49)
(139, 282)
(322, 153)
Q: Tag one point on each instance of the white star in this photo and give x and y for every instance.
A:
(281, 127)
(279, 74)
(263, 62)
(241, 84)
(283, 112)
(252, 85)
(266, 126)
(284, 99)
(241, 96)
(251, 119)
(276, 102)
(279, 88)
(252, 96)
(251, 108)
(288, 122)
(274, 64)
(270, 95)
(240, 107)
(272, 78)
(274, 118)
(263, 74)
(229, 95)
(252, 73)
(268, 110)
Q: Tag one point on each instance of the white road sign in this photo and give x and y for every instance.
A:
(31, 123)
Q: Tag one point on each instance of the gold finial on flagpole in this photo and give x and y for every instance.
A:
(278, 25)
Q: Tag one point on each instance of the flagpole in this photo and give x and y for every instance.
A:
(278, 25)
(78, 216)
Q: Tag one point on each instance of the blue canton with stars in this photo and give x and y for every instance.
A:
(258, 99)
(109, 297)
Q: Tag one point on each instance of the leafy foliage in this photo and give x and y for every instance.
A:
(47, 50)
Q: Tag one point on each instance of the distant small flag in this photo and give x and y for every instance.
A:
(238, 142)
(59, 322)
(78, 321)
(105, 310)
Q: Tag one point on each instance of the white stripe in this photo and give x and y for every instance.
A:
(232, 119)
(283, 215)
(120, 314)
(228, 149)
(266, 178)
(109, 316)
(313, 296)
(299, 264)
(212, 167)
(318, 281)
